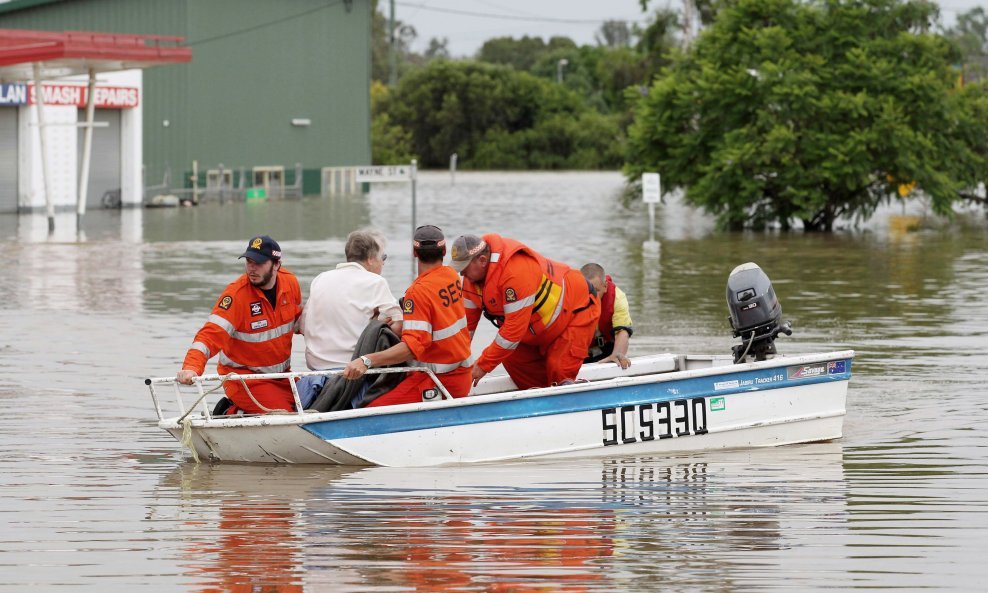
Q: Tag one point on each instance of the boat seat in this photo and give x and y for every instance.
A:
(594, 371)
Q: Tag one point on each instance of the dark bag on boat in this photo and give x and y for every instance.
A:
(341, 394)
(222, 406)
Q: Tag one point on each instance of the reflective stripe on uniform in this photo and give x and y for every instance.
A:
(222, 322)
(265, 336)
(450, 331)
(468, 304)
(559, 307)
(274, 368)
(505, 343)
(439, 334)
(550, 301)
(440, 368)
(495, 257)
(519, 305)
(201, 348)
(415, 324)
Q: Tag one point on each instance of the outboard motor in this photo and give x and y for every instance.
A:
(755, 313)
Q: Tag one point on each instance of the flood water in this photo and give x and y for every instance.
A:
(94, 497)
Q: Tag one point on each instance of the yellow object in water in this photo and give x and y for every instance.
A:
(901, 224)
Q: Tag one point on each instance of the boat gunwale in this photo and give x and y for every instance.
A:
(296, 419)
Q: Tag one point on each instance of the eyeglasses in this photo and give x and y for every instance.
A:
(384, 257)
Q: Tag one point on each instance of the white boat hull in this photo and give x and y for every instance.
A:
(777, 402)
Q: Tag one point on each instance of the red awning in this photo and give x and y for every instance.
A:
(77, 52)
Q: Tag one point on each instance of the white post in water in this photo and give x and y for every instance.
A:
(651, 195)
(392, 174)
(452, 169)
(39, 105)
(87, 146)
(413, 176)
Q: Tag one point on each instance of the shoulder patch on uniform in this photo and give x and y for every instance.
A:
(225, 302)
(407, 306)
(510, 296)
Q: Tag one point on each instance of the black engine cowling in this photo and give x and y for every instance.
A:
(756, 315)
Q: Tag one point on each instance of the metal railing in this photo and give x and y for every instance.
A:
(200, 392)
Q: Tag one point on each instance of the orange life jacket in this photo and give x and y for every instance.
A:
(547, 303)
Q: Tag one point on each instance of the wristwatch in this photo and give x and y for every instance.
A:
(366, 360)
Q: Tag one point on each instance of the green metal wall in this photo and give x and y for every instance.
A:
(256, 65)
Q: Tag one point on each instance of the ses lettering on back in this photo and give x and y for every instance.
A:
(451, 294)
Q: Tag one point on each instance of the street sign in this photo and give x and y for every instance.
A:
(651, 188)
(384, 173)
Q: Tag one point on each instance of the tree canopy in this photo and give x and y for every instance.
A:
(495, 117)
(786, 111)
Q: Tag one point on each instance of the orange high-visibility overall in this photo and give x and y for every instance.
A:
(545, 313)
(435, 330)
(251, 336)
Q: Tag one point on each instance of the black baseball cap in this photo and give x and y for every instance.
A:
(262, 249)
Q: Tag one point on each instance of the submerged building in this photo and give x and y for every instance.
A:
(271, 84)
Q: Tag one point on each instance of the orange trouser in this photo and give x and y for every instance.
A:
(409, 391)
(273, 394)
(544, 365)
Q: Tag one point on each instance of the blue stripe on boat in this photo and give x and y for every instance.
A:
(565, 403)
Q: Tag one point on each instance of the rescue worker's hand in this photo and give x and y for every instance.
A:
(620, 359)
(355, 369)
(185, 376)
(478, 374)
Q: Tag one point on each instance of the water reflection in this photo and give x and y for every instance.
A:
(531, 526)
(242, 525)
(97, 268)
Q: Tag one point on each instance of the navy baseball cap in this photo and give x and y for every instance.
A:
(262, 249)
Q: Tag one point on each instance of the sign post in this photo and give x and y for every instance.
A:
(392, 174)
(651, 195)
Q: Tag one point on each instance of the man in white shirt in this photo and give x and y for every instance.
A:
(342, 302)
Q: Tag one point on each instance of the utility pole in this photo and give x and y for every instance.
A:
(392, 58)
(689, 12)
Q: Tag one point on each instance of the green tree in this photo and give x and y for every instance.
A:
(492, 116)
(786, 111)
(970, 36)
(390, 143)
(520, 54)
(381, 44)
(614, 34)
(438, 49)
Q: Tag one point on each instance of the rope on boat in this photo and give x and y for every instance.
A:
(186, 439)
(251, 396)
(186, 422)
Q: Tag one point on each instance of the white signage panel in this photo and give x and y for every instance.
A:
(384, 173)
(651, 188)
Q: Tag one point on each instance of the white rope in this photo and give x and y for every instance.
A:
(186, 439)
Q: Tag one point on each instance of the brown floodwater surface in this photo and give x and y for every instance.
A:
(94, 497)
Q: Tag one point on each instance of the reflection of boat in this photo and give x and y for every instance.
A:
(663, 403)
(533, 526)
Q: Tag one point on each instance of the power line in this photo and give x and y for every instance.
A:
(507, 17)
(264, 25)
